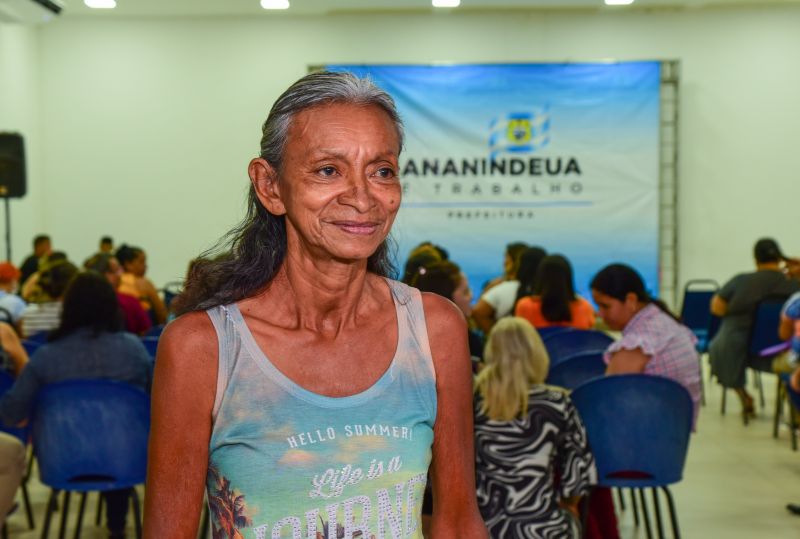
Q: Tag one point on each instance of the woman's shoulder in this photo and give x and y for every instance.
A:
(547, 394)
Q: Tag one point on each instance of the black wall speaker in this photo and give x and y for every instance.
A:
(13, 182)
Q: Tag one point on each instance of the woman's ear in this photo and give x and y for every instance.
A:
(631, 301)
(264, 178)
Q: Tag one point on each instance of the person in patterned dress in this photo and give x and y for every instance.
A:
(533, 461)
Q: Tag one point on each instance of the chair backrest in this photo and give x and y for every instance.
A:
(6, 381)
(574, 370)
(569, 343)
(40, 337)
(154, 331)
(638, 427)
(5, 316)
(30, 346)
(764, 331)
(170, 290)
(546, 333)
(151, 344)
(91, 435)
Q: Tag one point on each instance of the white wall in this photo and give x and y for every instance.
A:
(19, 102)
(148, 125)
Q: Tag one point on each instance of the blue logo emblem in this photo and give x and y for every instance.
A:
(519, 132)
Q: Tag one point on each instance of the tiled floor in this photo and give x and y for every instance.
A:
(736, 484)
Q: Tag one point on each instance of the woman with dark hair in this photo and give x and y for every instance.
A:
(653, 340)
(735, 304)
(301, 388)
(529, 262)
(498, 297)
(134, 283)
(554, 302)
(88, 343)
(136, 319)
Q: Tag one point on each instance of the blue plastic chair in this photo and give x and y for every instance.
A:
(763, 334)
(638, 427)
(564, 344)
(40, 337)
(90, 435)
(574, 370)
(794, 401)
(546, 333)
(154, 331)
(696, 311)
(30, 347)
(151, 343)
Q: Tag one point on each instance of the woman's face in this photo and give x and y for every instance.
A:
(462, 296)
(339, 186)
(614, 312)
(137, 266)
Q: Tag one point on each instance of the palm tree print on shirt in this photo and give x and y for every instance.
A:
(227, 507)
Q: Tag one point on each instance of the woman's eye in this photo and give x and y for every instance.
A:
(327, 171)
(385, 172)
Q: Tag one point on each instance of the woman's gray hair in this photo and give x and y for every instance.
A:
(315, 89)
(244, 262)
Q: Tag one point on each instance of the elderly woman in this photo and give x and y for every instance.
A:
(301, 388)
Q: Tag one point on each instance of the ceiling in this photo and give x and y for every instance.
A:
(199, 8)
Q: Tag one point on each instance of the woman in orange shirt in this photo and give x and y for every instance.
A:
(554, 302)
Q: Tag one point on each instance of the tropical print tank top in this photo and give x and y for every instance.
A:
(288, 463)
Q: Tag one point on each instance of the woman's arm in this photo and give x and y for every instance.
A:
(483, 314)
(184, 389)
(455, 506)
(628, 362)
(11, 344)
(151, 293)
(719, 307)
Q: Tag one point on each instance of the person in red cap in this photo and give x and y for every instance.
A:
(11, 305)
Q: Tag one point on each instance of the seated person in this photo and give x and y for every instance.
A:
(447, 280)
(11, 304)
(30, 289)
(13, 356)
(653, 340)
(45, 315)
(532, 459)
(500, 294)
(88, 343)
(136, 320)
(735, 303)
(134, 283)
(12, 469)
(554, 302)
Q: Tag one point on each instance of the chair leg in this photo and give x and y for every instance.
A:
(676, 533)
(702, 383)
(635, 507)
(724, 396)
(137, 513)
(62, 532)
(779, 395)
(26, 499)
(81, 509)
(645, 514)
(760, 390)
(4, 531)
(657, 508)
(99, 515)
(621, 499)
(48, 512)
(793, 426)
